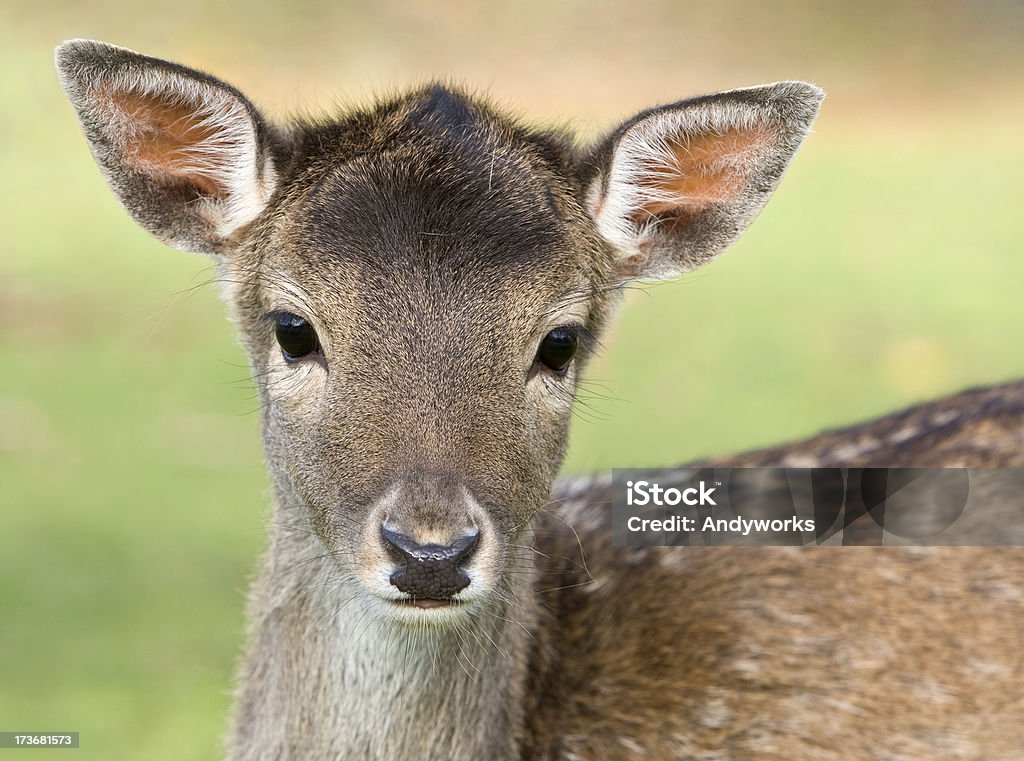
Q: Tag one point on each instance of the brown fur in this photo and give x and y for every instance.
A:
(790, 653)
(431, 243)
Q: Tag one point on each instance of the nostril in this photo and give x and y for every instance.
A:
(462, 549)
(430, 570)
(399, 546)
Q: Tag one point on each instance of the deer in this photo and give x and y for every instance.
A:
(419, 284)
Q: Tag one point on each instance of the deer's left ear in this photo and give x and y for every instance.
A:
(674, 186)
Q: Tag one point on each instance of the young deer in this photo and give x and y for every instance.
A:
(418, 286)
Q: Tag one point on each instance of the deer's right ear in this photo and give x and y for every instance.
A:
(187, 155)
(674, 186)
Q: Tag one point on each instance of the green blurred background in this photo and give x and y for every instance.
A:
(888, 270)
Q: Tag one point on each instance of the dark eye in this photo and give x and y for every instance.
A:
(558, 348)
(295, 336)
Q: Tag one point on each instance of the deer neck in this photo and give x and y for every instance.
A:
(329, 676)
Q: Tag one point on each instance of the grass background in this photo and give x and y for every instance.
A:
(888, 270)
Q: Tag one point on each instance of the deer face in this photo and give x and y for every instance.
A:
(419, 284)
(417, 310)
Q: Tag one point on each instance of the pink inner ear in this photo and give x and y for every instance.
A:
(175, 141)
(697, 171)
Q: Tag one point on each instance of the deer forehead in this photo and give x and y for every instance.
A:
(430, 234)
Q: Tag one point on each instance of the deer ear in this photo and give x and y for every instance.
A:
(674, 186)
(186, 154)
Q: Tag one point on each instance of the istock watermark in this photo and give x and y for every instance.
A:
(818, 506)
(642, 493)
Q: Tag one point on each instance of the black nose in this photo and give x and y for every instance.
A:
(430, 570)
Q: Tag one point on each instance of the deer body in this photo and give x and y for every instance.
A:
(419, 285)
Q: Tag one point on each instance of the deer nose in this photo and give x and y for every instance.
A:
(430, 571)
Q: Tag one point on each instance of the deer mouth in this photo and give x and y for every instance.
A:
(427, 603)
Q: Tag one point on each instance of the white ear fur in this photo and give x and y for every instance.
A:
(680, 182)
(227, 155)
(172, 137)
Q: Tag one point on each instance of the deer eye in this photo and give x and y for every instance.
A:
(558, 348)
(295, 336)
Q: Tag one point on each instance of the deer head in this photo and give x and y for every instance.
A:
(419, 285)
